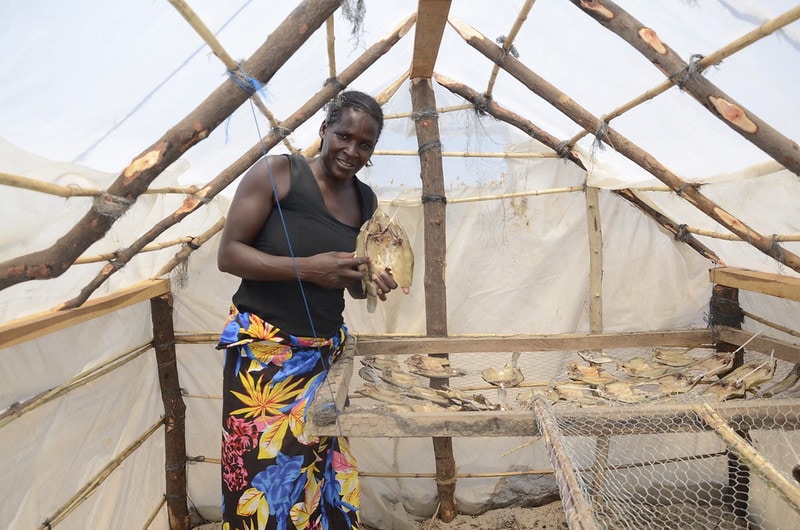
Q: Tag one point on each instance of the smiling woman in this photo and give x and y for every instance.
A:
(290, 236)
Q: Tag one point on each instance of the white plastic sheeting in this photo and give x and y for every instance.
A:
(90, 85)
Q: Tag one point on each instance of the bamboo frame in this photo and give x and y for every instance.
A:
(625, 147)
(468, 154)
(145, 167)
(381, 474)
(152, 247)
(439, 110)
(232, 172)
(90, 487)
(772, 325)
(154, 514)
(497, 111)
(193, 244)
(509, 42)
(230, 64)
(18, 409)
(782, 350)
(331, 46)
(48, 188)
(713, 58)
(385, 95)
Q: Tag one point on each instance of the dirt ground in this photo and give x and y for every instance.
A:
(547, 517)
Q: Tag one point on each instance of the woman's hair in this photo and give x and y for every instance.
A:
(354, 100)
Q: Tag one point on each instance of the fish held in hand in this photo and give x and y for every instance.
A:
(385, 243)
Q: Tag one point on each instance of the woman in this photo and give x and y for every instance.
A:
(290, 236)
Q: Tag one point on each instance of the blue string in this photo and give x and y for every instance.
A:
(246, 82)
(285, 229)
(325, 364)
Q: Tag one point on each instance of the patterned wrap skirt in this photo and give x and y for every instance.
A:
(274, 474)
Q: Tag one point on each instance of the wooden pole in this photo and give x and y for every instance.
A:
(196, 126)
(229, 174)
(725, 311)
(494, 109)
(174, 412)
(434, 210)
(744, 122)
(595, 233)
(576, 506)
(625, 147)
(750, 455)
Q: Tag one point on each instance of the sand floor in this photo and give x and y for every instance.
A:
(547, 517)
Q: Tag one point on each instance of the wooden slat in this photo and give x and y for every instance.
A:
(331, 399)
(652, 418)
(786, 287)
(431, 21)
(766, 345)
(505, 343)
(40, 324)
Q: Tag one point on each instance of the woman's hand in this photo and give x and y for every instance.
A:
(385, 282)
(333, 269)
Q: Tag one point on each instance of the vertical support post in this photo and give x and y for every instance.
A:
(595, 260)
(726, 311)
(174, 412)
(434, 211)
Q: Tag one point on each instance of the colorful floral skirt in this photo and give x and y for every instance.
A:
(274, 474)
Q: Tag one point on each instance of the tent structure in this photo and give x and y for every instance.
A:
(574, 176)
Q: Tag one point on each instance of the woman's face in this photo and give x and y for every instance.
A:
(348, 143)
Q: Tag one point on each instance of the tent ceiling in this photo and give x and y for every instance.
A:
(93, 108)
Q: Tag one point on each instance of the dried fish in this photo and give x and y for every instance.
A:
(506, 377)
(427, 406)
(369, 374)
(427, 394)
(467, 402)
(579, 393)
(783, 385)
(432, 367)
(622, 391)
(381, 394)
(593, 357)
(549, 393)
(380, 363)
(714, 364)
(385, 242)
(672, 356)
(594, 375)
(640, 367)
(753, 373)
(673, 383)
(399, 378)
(722, 389)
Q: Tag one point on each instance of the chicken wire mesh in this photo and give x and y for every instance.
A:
(638, 437)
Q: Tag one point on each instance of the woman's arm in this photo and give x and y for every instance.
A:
(253, 203)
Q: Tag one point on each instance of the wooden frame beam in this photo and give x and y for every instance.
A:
(766, 345)
(778, 285)
(367, 345)
(40, 324)
(431, 21)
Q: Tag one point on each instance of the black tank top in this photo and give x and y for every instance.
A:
(312, 229)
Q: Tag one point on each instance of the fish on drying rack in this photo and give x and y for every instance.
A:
(432, 367)
(508, 376)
